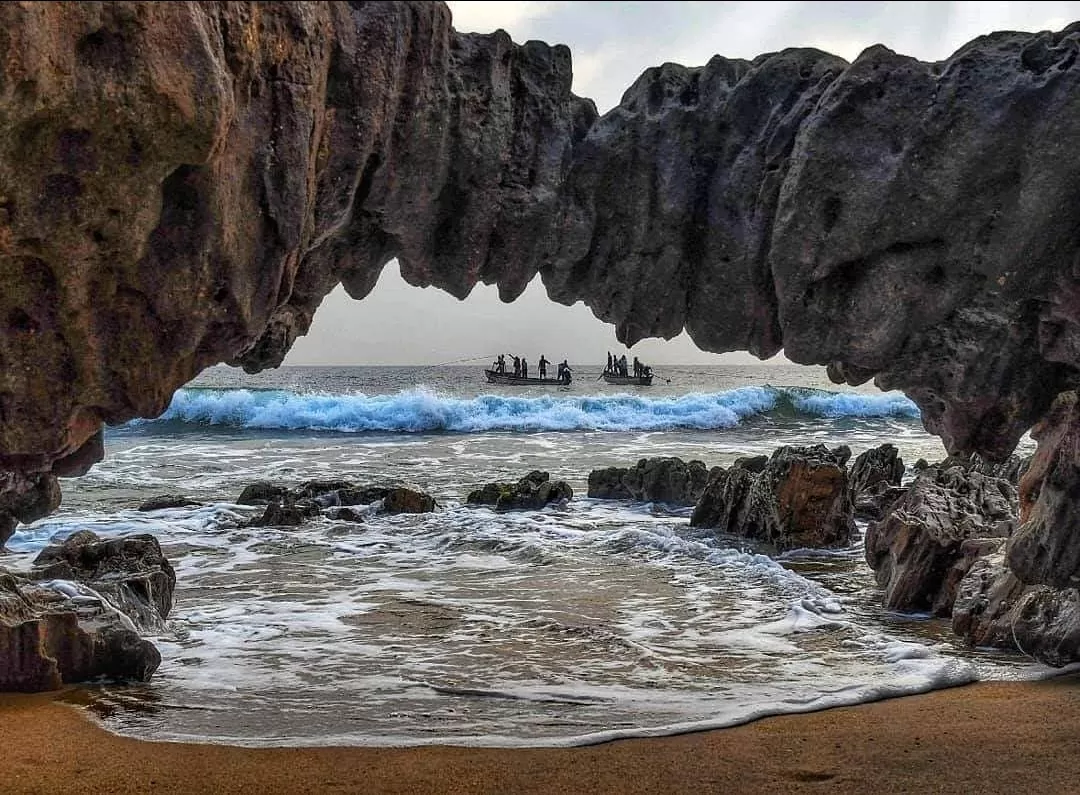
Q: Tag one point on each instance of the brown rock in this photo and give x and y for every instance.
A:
(931, 536)
(800, 499)
(403, 500)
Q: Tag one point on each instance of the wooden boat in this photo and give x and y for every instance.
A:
(628, 380)
(509, 379)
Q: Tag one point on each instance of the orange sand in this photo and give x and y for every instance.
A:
(1014, 738)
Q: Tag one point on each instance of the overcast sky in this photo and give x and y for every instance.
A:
(613, 43)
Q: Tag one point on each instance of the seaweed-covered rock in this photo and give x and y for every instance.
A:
(532, 492)
(669, 480)
(801, 498)
(947, 519)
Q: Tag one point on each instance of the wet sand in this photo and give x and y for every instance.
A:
(984, 738)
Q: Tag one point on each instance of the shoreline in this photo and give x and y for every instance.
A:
(986, 737)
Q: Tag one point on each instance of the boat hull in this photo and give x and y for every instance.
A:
(628, 380)
(509, 379)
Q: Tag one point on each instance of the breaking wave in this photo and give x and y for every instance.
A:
(421, 410)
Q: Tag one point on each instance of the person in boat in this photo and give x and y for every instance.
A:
(517, 366)
(542, 367)
(622, 365)
(608, 369)
(646, 371)
(502, 362)
(524, 368)
(564, 372)
(637, 368)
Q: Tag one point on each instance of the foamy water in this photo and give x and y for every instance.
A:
(571, 625)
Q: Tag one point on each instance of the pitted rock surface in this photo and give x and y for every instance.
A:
(931, 536)
(800, 498)
(182, 183)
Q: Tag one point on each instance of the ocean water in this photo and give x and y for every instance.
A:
(574, 624)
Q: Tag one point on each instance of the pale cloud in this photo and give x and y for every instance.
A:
(477, 16)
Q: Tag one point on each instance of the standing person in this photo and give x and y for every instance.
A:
(502, 363)
(608, 368)
(517, 366)
(564, 372)
(542, 364)
(524, 368)
(622, 365)
(637, 368)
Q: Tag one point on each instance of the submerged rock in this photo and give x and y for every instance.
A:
(531, 493)
(292, 506)
(669, 480)
(166, 501)
(288, 512)
(262, 492)
(801, 498)
(932, 535)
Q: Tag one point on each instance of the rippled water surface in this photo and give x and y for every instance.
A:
(577, 623)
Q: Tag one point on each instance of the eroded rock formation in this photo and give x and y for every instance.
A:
(182, 183)
(669, 480)
(800, 498)
(930, 537)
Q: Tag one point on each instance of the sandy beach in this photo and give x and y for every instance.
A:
(984, 738)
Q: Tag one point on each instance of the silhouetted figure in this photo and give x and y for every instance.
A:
(622, 365)
(564, 372)
(517, 366)
(524, 368)
(637, 368)
(501, 367)
(542, 365)
(608, 369)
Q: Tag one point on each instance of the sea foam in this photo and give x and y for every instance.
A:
(421, 410)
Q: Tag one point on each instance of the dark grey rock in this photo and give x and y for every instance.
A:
(668, 480)
(531, 493)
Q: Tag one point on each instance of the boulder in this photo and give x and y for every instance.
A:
(801, 498)
(261, 492)
(288, 512)
(669, 480)
(931, 536)
(131, 573)
(166, 501)
(532, 492)
(404, 500)
(994, 609)
(52, 636)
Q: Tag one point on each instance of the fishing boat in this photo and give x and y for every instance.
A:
(628, 380)
(509, 379)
